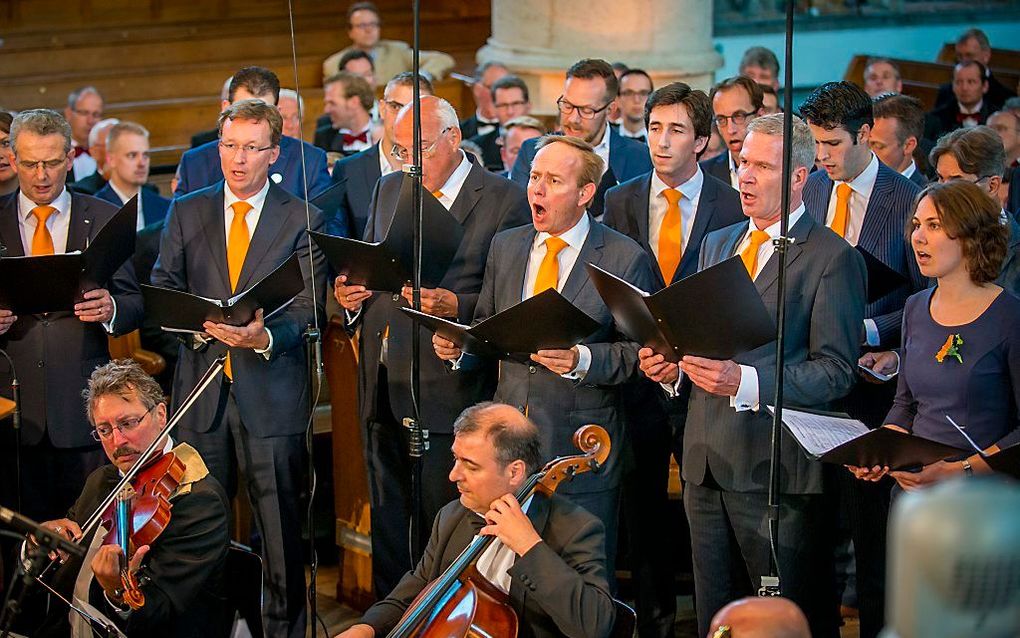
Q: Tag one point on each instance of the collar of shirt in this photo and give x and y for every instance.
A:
(971, 111)
(384, 164)
(365, 129)
(497, 559)
(657, 205)
(734, 177)
(62, 203)
(451, 188)
(625, 132)
(124, 197)
(909, 170)
(59, 223)
(602, 149)
(766, 249)
(257, 201)
(861, 187)
(484, 121)
(575, 238)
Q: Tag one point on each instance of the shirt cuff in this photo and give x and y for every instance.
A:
(673, 389)
(351, 316)
(121, 611)
(747, 391)
(583, 364)
(871, 336)
(108, 326)
(267, 352)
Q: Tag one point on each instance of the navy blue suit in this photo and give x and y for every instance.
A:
(1013, 204)
(200, 167)
(718, 167)
(884, 236)
(154, 205)
(358, 173)
(627, 159)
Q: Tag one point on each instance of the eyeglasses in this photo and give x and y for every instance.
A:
(509, 105)
(960, 178)
(630, 95)
(105, 430)
(248, 149)
(365, 25)
(398, 152)
(49, 165)
(738, 118)
(95, 115)
(586, 112)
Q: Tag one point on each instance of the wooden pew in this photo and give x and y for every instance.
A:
(925, 88)
(1002, 59)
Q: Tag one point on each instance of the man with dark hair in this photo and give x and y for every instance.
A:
(217, 243)
(769, 100)
(200, 166)
(84, 109)
(590, 88)
(549, 554)
(562, 389)
(761, 65)
(483, 203)
(897, 135)
(668, 211)
(484, 119)
(347, 100)
(390, 57)
(359, 63)
(881, 76)
(509, 100)
(635, 87)
(360, 172)
(181, 572)
(868, 204)
(971, 106)
(55, 352)
(735, 102)
(973, 45)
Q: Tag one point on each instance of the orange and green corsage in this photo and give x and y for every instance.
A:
(951, 348)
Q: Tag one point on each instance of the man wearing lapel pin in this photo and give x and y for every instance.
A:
(218, 242)
(560, 390)
(667, 211)
(728, 429)
(54, 353)
(483, 203)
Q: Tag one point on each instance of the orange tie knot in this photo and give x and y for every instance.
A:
(750, 254)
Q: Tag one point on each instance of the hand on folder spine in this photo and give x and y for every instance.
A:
(877, 472)
(557, 361)
(721, 378)
(445, 349)
(252, 336)
(655, 367)
(349, 297)
(97, 306)
(438, 302)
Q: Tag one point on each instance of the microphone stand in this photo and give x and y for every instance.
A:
(16, 425)
(771, 584)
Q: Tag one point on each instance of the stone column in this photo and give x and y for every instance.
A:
(539, 39)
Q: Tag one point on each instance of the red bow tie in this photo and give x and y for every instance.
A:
(80, 150)
(963, 117)
(350, 139)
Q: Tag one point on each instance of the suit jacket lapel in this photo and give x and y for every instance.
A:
(640, 198)
(10, 229)
(372, 172)
(591, 252)
(80, 229)
(270, 222)
(702, 216)
(469, 194)
(874, 216)
(216, 234)
(770, 273)
(517, 270)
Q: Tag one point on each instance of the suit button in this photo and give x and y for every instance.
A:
(521, 408)
(41, 363)
(531, 587)
(396, 298)
(379, 334)
(532, 369)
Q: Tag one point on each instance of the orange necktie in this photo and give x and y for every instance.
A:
(842, 217)
(750, 254)
(42, 240)
(237, 248)
(671, 235)
(549, 269)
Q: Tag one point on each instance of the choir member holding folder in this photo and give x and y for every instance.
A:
(959, 375)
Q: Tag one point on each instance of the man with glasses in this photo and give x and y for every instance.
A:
(389, 56)
(181, 572)
(218, 242)
(735, 102)
(635, 87)
(360, 172)
(590, 88)
(54, 353)
(483, 203)
(509, 100)
(84, 109)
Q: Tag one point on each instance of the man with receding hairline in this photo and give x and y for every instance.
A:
(83, 111)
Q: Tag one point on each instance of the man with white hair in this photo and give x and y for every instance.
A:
(83, 111)
(91, 184)
(483, 203)
(292, 108)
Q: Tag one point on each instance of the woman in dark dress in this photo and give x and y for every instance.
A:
(961, 339)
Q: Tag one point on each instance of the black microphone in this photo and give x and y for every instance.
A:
(15, 392)
(44, 537)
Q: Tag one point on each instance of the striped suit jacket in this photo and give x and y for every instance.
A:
(884, 235)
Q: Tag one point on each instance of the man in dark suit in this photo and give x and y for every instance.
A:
(83, 111)
(483, 204)
(728, 431)
(54, 353)
(635, 87)
(896, 136)
(128, 161)
(970, 106)
(348, 101)
(181, 572)
(735, 102)
(509, 100)
(217, 242)
(360, 172)
(200, 166)
(589, 90)
(483, 120)
(563, 389)
(973, 45)
(868, 204)
(548, 553)
(668, 212)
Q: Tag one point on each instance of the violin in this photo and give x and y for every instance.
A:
(139, 514)
(462, 603)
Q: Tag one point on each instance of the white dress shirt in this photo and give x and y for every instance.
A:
(734, 177)
(124, 197)
(84, 164)
(639, 135)
(358, 145)
(975, 110)
(257, 202)
(385, 168)
(602, 150)
(59, 223)
(657, 206)
(451, 187)
(497, 559)
(909, 171)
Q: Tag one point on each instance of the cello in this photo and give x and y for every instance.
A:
(461, 602)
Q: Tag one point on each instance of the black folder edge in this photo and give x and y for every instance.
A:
(882, 279)
(626, 303)
(1006, 461)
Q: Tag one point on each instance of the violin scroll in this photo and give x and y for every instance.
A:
(591, 439)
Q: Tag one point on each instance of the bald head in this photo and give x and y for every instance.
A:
(762, 618)
(514, 437)
(440, 139)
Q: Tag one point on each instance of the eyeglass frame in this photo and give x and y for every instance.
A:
(560, 102)
(629, 94)
(120, 427)
(426, 153)
(244, 148)
(739, 118)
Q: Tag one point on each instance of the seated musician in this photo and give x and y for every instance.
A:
(549, 556)
(181, 572)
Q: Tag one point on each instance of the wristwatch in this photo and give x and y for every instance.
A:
(967, 469)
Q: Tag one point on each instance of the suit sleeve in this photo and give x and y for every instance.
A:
(169, 270)
(318, 171)
(183, 187)
(351, 326)
(837, 312)
(289, 325)
(123, 287)
(342, 225)
(888, 324)
(615, 214)
(571, 587)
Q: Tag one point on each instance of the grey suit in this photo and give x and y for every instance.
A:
(727, 453)
(558, 588)
(255, 424)
(486, 204)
